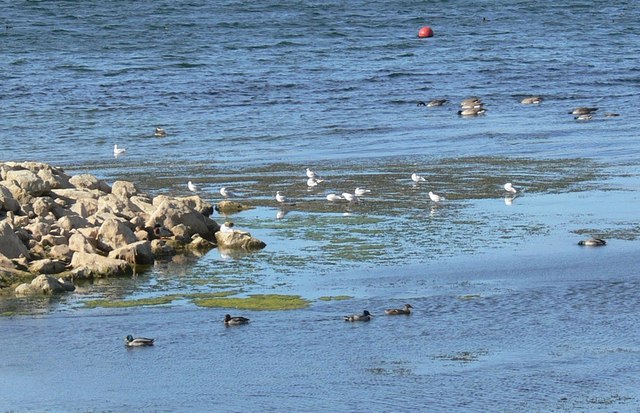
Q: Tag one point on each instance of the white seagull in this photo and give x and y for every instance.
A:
(509, 188)
(311, 182)
(192, 187)
(333, 198)
(361, 191)
(226, 192)
(435, 198)
(280, 198)
(118, 151)
(417, 178)
(311, 174)
(349, 197)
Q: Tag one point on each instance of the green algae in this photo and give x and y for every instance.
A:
(162, 300)
(256, 302)
(335, 297)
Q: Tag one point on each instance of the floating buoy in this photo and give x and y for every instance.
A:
(425, 32)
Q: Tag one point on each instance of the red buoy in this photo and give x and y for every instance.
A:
(425, 32)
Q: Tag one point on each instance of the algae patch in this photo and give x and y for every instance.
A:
(256, 302)
(335, 297)
(166, 299)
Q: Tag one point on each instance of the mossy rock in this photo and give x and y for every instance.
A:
(257, 302)
(229, 207)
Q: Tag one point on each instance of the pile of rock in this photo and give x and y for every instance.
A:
(79, 227)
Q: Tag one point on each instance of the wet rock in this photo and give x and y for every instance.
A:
(238, 240)
(44, 284)
(230, 207)
(173, 212)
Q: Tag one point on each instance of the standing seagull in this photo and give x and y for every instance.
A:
(280, 198)
(510, 188)
(311, 174)
(417, 178)
(361, 191)
(350, 197)
(192, 187)
(435, 198)
(118, 151)
(227, 193)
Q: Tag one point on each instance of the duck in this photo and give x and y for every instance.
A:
(159, 132)
(365, 316)
(472, 111)
(586, 116)
(421, 103)
(397, 311)
(593, 242)
(235, 321)
(436, 102)
(531, 100)
(138, 341)
(471, 102)
(582, 111)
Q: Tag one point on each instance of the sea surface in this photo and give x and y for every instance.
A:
(510, 314)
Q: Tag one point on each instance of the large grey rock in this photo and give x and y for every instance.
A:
(135, 253)
(10, 244)
(114, 234)
(238, 240)
(88, 266)
(173, 212)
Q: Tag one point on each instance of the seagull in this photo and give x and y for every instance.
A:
(334, 197)
(227, 193)
(361, 191)
(435, 198)
(311, 174)
(311, 182)
(118, 151)
(509, 188)
(226, 227)
(417, 178)
(349, 197)
(280, 198)
(192, 187)
(508, 200)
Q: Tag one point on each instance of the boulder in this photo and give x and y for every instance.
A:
(238, 240)
(87, 266)
(88, 181)
(60, 253)
(72, 221)
(47, 266)
(44, 284)
(51, 240)
(160, 248)
(230, 207)
(29, 182)
(83, 243)
(42, 205)
(135, 253)
(114, 234)
(10, 244)
(85, 207)
(6, 262)
(124, 189)
(143, 204)
(172, 212)
(7, 201)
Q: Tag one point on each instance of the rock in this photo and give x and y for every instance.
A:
(29, 182)
(88, 181)
(143, 204)
(85, 207)
(42, 206)
(199, 243)
(83, 243)
(51, 240)
(38, 229)
(6, 262)
(47, 266)
(10, 244)
(135, 253)
(172, 212)
(72, 221)
(60, 253)
(160, 248)
(87, 266)
(44, 284)
(7, 201)
(229, 207)
(124, 189)
(114, 234)
(238, 240)
(197, 204)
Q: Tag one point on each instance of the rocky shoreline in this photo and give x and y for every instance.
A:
(57, 229)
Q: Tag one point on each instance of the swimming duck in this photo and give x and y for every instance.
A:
(586, 116)
(397, 311)
(531, 100)
(593, 242)
(138, 341)
(365, 316)
(475, 111)
(471, 102)
(436, 102)
(582, 111)
(421, 103)
(159, 132)
(234, 321)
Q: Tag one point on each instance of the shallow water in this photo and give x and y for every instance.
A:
(510, 314)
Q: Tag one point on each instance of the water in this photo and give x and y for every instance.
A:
(510, 315)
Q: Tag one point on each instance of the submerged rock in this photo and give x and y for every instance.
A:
(44, 284)
(230, 240)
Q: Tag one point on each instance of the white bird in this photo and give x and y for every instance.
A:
(311, 174)
(118, 151)
(361, 191)
(350, 197)
(508, 200)
(311, 182)
(280, 198)
(436, 198)
(192, 187)
(509, 188)
(226, 192)
(417, 178)
(226, 227)
(333, 197)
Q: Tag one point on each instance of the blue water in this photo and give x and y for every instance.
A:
(510, 314)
